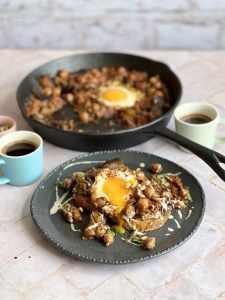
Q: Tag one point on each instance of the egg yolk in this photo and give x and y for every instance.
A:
(115, 189)
(114, 95)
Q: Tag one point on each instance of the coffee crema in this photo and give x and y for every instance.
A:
(19, 148)
(196, 119)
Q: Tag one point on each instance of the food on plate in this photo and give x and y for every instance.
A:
(119, 96)
(120, 200)
(72, 213)
(156, 168)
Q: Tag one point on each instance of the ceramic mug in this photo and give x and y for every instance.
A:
(198, 122)
(21, 158)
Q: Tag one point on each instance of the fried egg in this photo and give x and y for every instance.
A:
(115, 186)
(119, 96)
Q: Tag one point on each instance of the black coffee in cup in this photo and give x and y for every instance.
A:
(21, 157)
(196, 119)
(19, 148)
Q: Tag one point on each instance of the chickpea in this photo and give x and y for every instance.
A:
(136, 194)
(96, 107)
(97, 217)
(152, 90)
(46, 111)
(44, 81)
(56, 91)
(88, 234)
(63, 74)
(60, 81)
(149, 243)
(159, 93)
(122, 71)
(149, 191)
(158, 85)
(140, 175)
(69, 98)
(108, 239)
(153, 80)
(48, 91)
(100, 230)
(142, 204)
(77, 215)
(67, 183)
(156, 168)
(71, 213)
(129, 210)
(84, 116)
(100, 201)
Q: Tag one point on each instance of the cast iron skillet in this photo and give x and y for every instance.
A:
(121, 138)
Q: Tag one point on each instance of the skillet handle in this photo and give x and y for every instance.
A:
(211, 157)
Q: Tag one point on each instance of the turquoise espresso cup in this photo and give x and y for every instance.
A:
(22, 169)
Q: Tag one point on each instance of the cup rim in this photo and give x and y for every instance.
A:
(17, 133)
(178, 119)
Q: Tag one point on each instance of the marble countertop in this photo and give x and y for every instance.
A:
(30, 268)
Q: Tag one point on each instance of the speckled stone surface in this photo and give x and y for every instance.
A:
(31, 268)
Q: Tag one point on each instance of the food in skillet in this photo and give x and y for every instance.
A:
(4, 128)
(118, 200)
(117, 95)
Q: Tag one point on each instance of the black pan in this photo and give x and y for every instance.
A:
(121, 138)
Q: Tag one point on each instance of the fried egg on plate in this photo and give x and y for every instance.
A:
(115, 186)
(119, 96)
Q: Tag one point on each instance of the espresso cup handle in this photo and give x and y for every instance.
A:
(221, 140)
(3, 180)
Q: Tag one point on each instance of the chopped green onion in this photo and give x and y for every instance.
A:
(78, 176)
(137, 240)
(118, 229)
(189, 197)
(112, 232)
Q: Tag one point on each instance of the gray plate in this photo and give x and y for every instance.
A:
(59, 233)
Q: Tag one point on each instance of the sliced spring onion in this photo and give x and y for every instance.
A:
(118, 229)
(189, 197)
(137, 240)
(112, 232)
